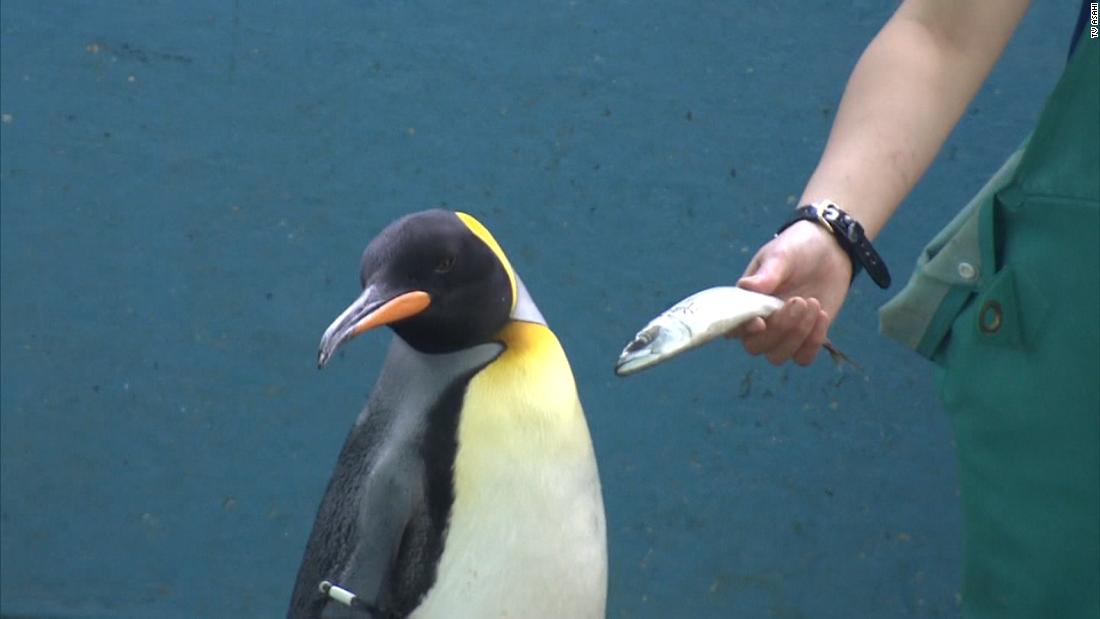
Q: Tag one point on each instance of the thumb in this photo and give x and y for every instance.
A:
(767, 277)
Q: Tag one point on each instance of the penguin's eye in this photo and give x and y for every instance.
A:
(445, 264)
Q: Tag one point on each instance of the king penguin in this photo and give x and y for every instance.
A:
(467, 487)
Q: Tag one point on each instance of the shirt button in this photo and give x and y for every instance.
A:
(967, 271)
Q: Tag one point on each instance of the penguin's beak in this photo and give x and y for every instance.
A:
(372, 309)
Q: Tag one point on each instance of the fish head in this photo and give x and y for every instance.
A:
(660, 339)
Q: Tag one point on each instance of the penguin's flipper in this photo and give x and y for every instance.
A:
(360, 525)
(392, 493)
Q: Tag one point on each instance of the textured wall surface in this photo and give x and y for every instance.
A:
(187, 186)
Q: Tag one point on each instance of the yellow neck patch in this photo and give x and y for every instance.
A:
(522, 409)
(482, 233)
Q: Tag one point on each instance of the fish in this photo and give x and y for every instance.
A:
(700, 318)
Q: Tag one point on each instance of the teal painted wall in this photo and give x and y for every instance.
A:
(186, 188)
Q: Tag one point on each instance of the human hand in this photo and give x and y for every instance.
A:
(805, 266)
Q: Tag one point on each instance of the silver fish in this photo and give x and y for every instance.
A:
(698, 319)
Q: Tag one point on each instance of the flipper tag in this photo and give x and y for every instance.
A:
(349, 599)
(340, 594)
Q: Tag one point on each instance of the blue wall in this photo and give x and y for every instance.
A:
(186, 188)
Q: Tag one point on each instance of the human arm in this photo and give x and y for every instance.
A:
(906, 93)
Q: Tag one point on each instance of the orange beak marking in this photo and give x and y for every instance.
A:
(397, 308)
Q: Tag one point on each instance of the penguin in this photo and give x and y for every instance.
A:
(468, 485)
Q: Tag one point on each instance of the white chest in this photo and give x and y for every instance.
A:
(532, 544)
(527, 535)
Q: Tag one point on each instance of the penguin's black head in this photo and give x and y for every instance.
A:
(438, 278)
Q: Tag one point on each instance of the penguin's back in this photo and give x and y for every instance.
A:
(526, 534)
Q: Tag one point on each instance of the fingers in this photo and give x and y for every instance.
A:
(780, 325)
(752, 327)
(796, 326)
(806, 353)
(754, 264)
(769, 273)
(796, 331)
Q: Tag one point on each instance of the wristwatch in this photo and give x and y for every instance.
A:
(848, 234)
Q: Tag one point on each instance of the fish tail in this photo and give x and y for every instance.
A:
(841, 358)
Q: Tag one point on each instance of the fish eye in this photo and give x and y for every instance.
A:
(445, 264)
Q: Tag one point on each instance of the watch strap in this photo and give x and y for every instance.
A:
(848, 234)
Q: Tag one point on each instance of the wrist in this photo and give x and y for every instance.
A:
(847, 234)
(827, 250)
